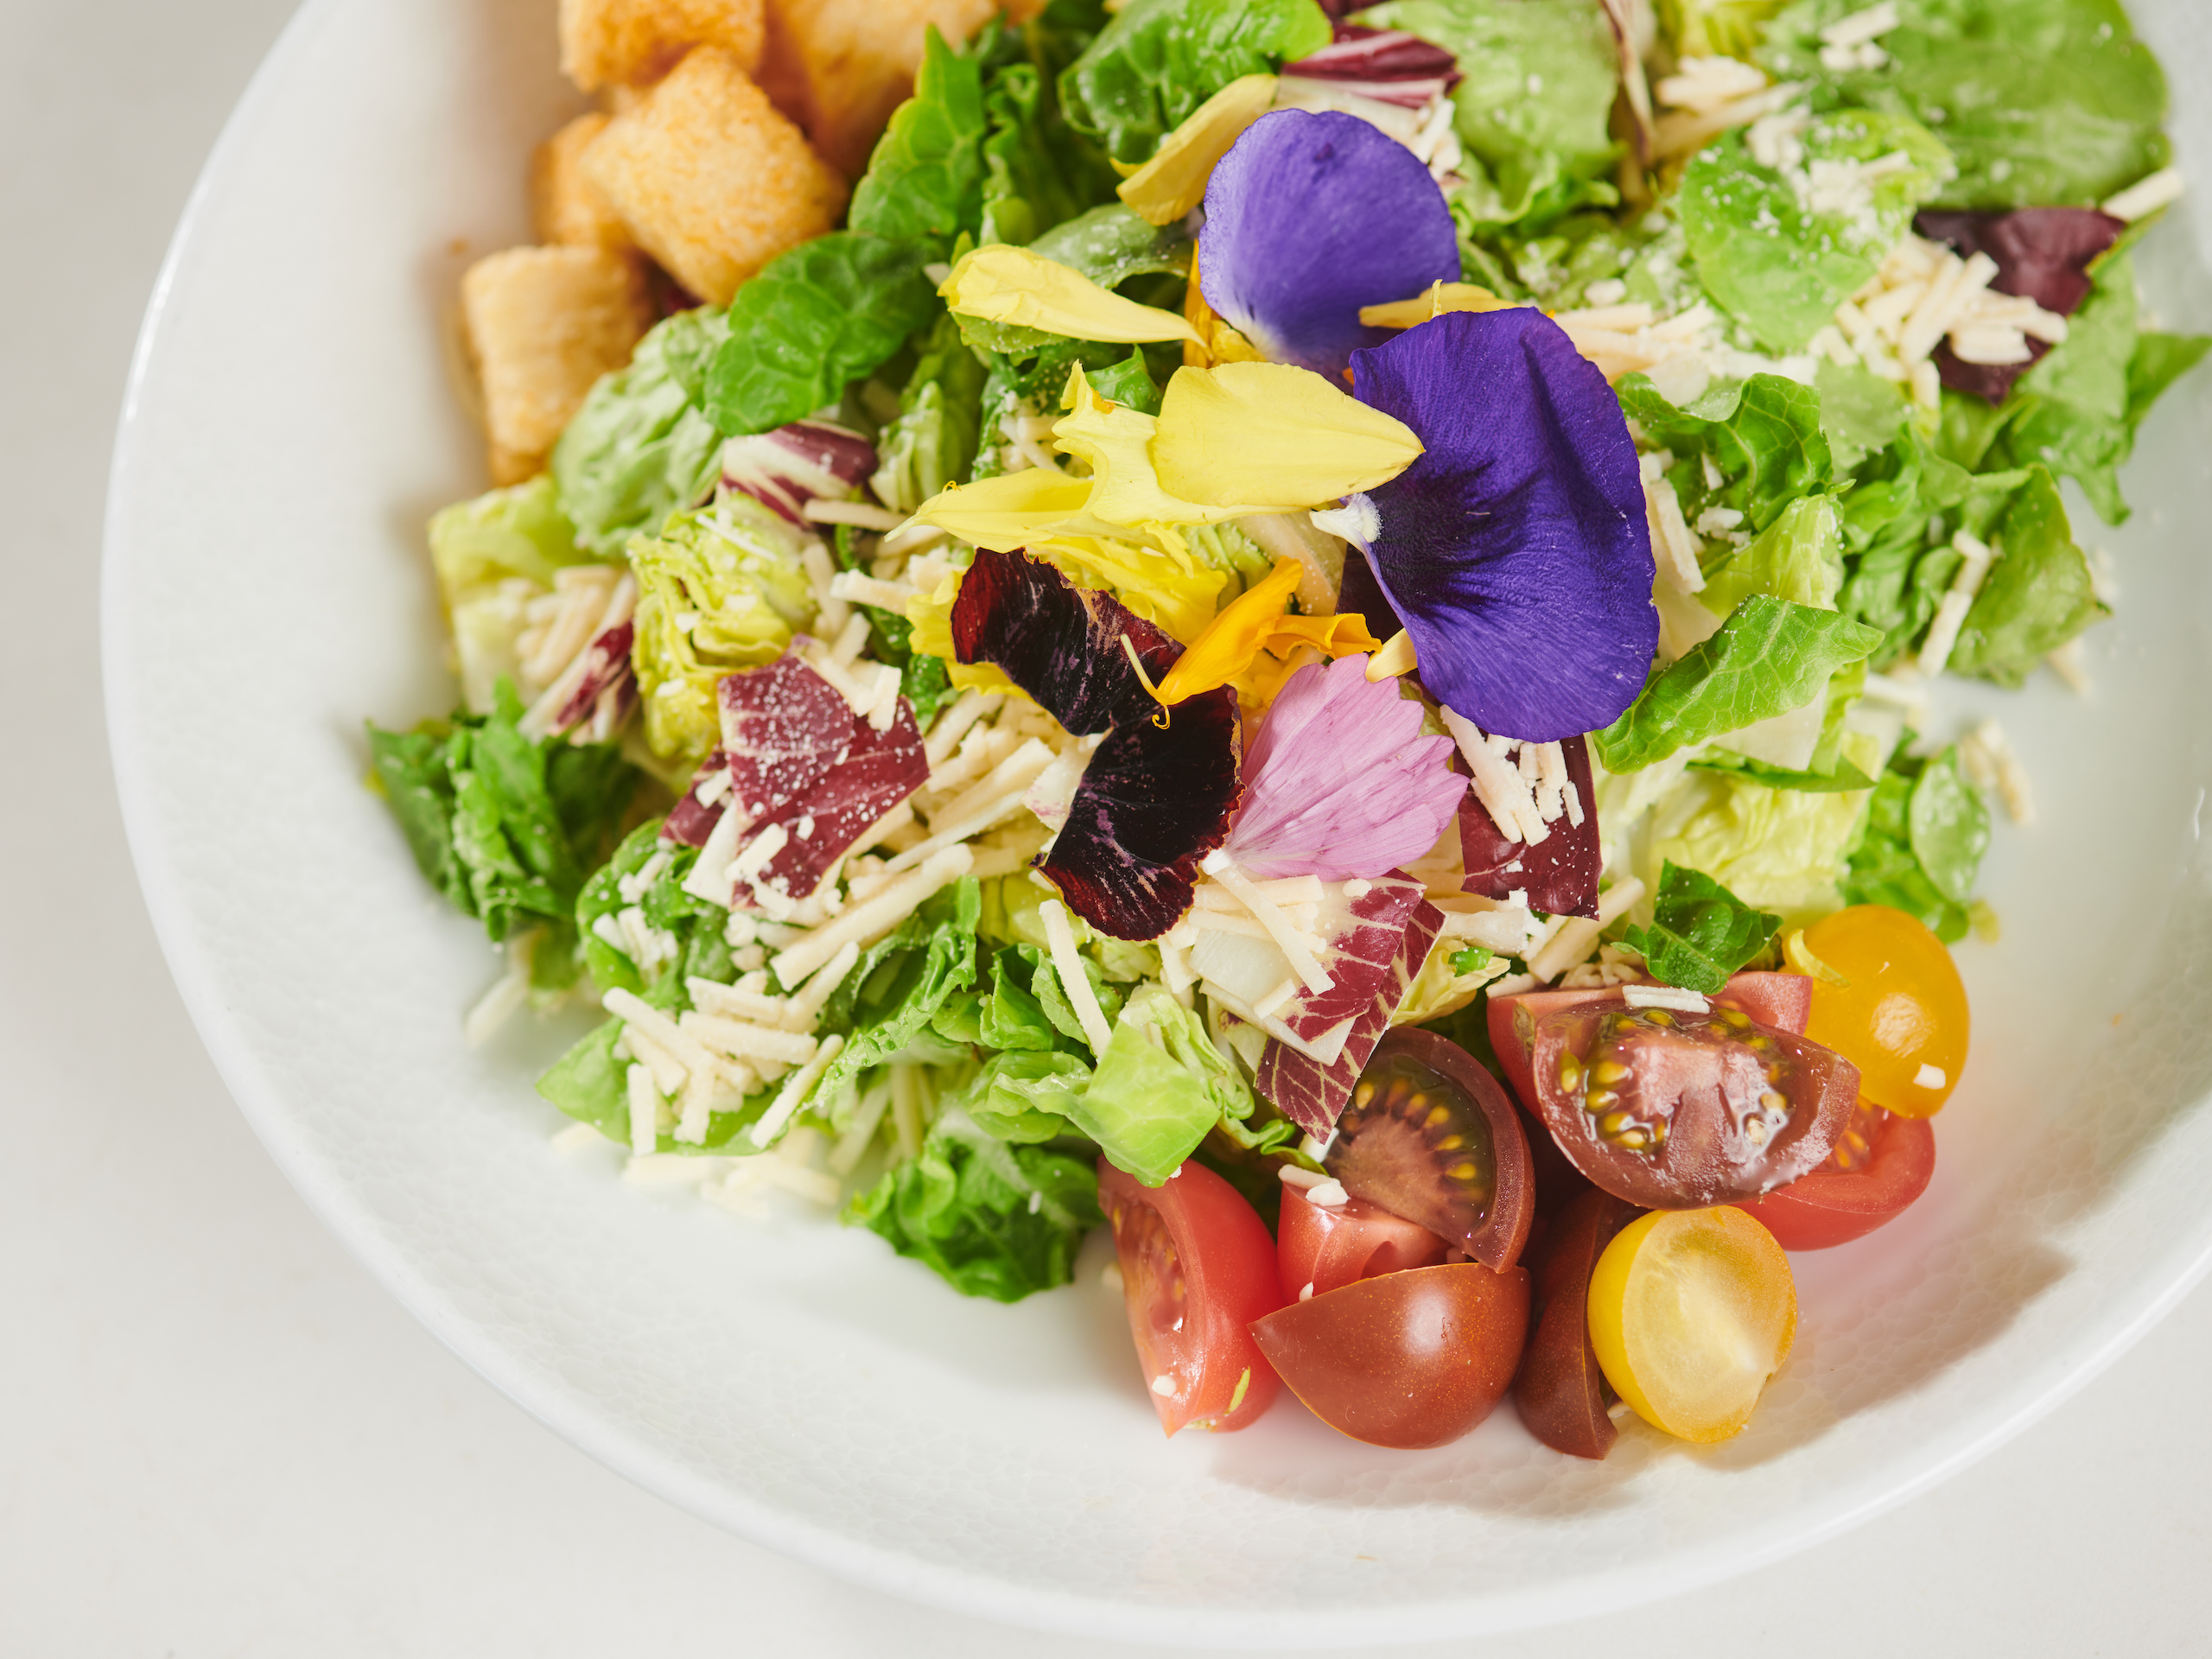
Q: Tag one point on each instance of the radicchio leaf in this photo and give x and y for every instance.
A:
(1389, 64)
(2042, 253)
(1313, 1095)
(786, 468)
(1157, 794)
(1560, 873)
(608, 690)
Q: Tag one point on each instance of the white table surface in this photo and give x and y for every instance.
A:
(218, 1437)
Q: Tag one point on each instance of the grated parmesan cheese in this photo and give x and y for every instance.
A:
(1075, 983)
(1673, 997)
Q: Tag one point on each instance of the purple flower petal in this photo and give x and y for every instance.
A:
(1340, 783)
(1309, 217)
(1515, 548)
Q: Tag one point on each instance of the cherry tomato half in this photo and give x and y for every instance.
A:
(1197, 1267)
(1674, 1110)
(1559, 1390)
(1321, 1248)
(1691, 1313)
(1881, 1163)
(1902, 1019)
(1410, 1359)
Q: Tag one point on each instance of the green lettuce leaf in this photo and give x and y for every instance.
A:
(1705, 28)
(1772, 262)
(1701, 932)
(925, 179)
(707, 605)
(1025, 1095)
(1158, 1088)
(823, 314)
(1532, 110)
(932, 440)
(1861, 413)
(1925, 833)
(1130, 382)
(1843, 778)
(1798, 557)
(2037, 596)
(641, 447)
(2042, 103)
(885, 1006)
(481, 547)
(1764, 437)
(1769, 657)
(1038, 171)
(1157, 61)
(992, 1219)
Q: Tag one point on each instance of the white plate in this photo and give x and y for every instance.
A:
(288, 430)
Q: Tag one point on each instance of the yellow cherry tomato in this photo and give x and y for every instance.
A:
(1902, 1021)
(1691, 1312)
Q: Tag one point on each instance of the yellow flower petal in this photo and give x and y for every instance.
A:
(1179, 594)
(1116, 442)
(1013, 509)
(1239, 639)
(1433, 302)
(1271, 434)
(1173, 182)
(1000, 283)
(932, 616)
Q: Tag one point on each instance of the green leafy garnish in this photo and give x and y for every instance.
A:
(1926, 831)
(1701, 932)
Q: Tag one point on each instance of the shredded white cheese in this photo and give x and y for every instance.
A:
(1075, 983)
(1673, 997)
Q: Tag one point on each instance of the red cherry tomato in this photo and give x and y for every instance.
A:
(1321, 1249)
(1410, 1359)
(1882, 1162)
(1197, 1267)
(1560, 1393)
(1676, 1110)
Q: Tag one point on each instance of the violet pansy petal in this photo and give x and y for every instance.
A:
(1311, 216)
(1340, 783)
(1517, 548)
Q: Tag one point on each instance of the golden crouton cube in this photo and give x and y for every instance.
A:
(711, 181)
(542, 324)
(566, 207)
(840, 66)
(622, 42)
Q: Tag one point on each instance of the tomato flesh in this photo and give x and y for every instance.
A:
(1881, 1163)
(1197, 1267)
(1673, 1110)
(1560, 1390)
(1409, 1359)
(1322, 1247)
(1902, 1019)
(1692, 1312)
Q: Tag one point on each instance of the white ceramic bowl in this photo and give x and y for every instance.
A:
(290, 428)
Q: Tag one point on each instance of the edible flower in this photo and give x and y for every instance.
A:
(1311, 217)
(1340, 783)
(1155, 799)
(1272, 433)
(1515, 549)
(1432, 302)
(1173, 182)
(1000, 283)
(1254, 625)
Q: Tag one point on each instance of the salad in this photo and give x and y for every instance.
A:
(1309, 638)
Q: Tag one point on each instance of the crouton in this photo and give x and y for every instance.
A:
(711, 181)
(567, 208)
(839, 67)
(623, 42)
(542, 324)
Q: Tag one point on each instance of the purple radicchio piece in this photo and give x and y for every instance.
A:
(603, 688)
(2041, 254)
(1515, 548)
(1308, 218)
(1389, 64)
(1311, 1093)
(798, 758)
(1340, 783)
(1156, 796)
(1559, 874)
(786, 468)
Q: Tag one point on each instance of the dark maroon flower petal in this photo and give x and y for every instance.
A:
(1311, 1095)
(1515, 548)
(1309, 217)
(1158, 794)
(1560, 873)
(2042, 253)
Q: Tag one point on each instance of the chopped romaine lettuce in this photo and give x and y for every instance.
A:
(1701, 932)
(492, 554)
(925, 179)
(1926, 831)
(1708, 29)
(1038, 171)
(1798, 557)
(1161, 1085)
(642, 446)
(994, 1220)
(1157, 61)
(710, 601)
(1764, 439)
(932, 443)
(885, 1006)
(2037, 596)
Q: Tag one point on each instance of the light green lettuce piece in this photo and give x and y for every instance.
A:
(708, 605)
(932, 442)
(492, 554)
(1158, 1088)
(1784, 850)
(642, 446)
(1708, 29)
(1799, 557)
(1780, 248)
